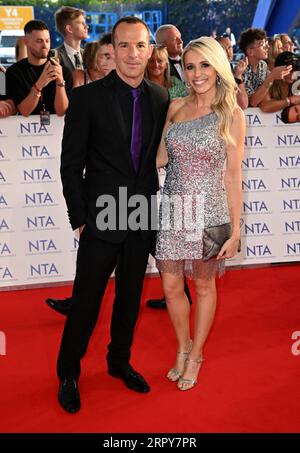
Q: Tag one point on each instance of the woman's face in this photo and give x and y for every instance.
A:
(294, 114)
(199, 73)
(105, 59)
(278, 47)
(289, 78)
(157, 65)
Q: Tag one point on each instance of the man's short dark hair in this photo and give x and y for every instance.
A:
(287, 58)
(127, 20)
(105, 39)
(250, 35)
(35, 25)
(285, 115)
(64, 15)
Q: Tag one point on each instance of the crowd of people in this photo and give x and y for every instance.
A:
(131, 107)
(254, 74)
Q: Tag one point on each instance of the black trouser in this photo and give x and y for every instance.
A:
(96, 261)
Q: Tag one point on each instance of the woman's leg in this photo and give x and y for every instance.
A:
(204, 316)
(179, 311)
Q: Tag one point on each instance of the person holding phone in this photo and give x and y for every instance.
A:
(37, 84)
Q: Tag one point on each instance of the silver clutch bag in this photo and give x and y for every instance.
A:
(213, 239)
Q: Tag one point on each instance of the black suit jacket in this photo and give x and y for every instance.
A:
(94, 141)
(173, 70)
(64, 60)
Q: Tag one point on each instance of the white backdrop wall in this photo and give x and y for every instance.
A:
(37, 245)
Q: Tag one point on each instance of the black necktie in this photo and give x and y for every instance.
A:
(77, 61)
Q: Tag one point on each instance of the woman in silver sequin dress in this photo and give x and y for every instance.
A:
(202, 131)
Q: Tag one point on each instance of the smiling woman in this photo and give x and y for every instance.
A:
(202, 131)
(208, 73)
(158, 71)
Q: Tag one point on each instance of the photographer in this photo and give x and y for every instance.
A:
(37, 83)
(280, 94)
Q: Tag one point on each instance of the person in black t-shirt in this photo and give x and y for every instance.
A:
(36, 83)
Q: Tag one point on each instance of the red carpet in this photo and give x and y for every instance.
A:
(248, 383)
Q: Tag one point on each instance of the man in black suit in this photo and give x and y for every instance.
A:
(112, 130)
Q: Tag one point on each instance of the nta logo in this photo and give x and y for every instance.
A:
(290, 183)
(288, 139)
(258, 250)
(253, 162)
(38, 198)
(254, 184)
(40, 221)
(32, 128)
(35, 151)
(42, 245)
(252, 141)
(255, 206)
(256, 228)
(36, 174)
(43, 269)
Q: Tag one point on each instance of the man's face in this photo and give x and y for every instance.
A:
(173, 42)
(78, 28)
(294, 114)
(259, 49)
(38, 43)
(132, 52)
(227, 46)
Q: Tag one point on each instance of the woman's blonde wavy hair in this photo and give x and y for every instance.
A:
(224, 103)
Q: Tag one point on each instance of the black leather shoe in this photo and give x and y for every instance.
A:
(68, 395)
(131, 378)
(157, 303)
(62, 306)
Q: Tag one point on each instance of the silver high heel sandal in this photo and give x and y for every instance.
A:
(190, 382)
(174, 374)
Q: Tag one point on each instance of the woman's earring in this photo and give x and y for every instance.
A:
(218, 81)
(188, 85)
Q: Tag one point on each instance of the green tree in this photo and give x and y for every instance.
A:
(199, 18)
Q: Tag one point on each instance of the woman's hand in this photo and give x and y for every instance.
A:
(229, 248)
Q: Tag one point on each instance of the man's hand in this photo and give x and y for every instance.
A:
(57, 68)
(52, 71)
(240, 68)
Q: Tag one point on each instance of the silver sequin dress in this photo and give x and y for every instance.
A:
(193, 197)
